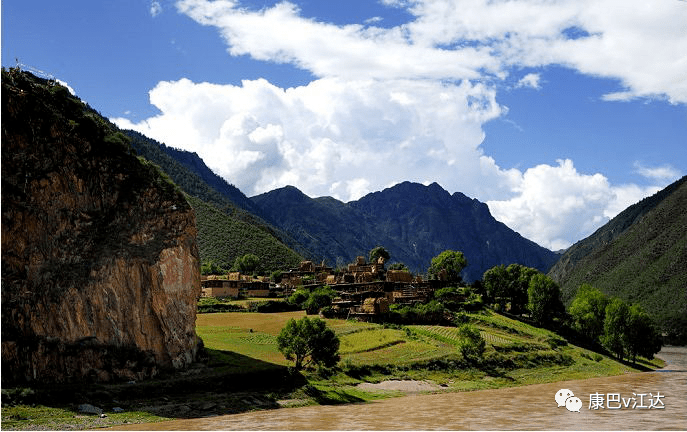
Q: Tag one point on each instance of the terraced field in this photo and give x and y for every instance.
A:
(254, 335)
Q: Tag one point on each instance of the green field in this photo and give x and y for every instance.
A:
(516, 352)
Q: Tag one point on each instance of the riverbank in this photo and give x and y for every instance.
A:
(531, 407)
(244, 372)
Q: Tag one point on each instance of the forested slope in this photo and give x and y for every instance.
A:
(639, 256)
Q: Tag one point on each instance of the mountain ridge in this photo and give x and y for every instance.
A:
(413, 221)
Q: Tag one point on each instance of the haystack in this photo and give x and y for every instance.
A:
(375, 305)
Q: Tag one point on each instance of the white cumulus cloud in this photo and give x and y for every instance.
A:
(557, 205)
(530, 80)
(630, 40)
(660, 173)
(409, 102)
(331, 137)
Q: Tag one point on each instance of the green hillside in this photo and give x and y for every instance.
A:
(639, 256)
(222, 238)
(225, 230)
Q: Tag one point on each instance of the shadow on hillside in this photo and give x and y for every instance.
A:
(223, 383)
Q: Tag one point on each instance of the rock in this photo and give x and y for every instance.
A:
(90, 409)
(117, 410)
(100, 264)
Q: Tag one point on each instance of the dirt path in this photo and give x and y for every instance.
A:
(405, 386)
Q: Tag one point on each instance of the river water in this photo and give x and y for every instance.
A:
(530, 407)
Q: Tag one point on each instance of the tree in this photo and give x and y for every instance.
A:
(299, 297)
(519, 276)
(615, 327)
(399, 266)
(544, 300)
(510, 283)
(588, 311)
(494, 281)
(247, 264)
(210, 267)
(378, 252)
(447, 266)
(641, 336)
(472, 344)
(318, 299)
(308, 341)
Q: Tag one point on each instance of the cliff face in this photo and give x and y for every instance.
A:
(100, 271)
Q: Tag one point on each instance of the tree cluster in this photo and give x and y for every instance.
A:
(625, 330)
(313, 300)
(523, 290)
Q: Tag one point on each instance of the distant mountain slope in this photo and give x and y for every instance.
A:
(640, 256)
(328, 228)
(196, 165)
(222, 238)
(423, 221)
(236, 219)
(413, 222)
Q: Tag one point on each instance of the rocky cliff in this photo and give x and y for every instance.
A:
(100, 271)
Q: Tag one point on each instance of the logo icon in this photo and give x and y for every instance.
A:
(566, 398)
(573, 404)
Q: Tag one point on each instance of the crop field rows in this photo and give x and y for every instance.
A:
(370, 340)
(253, 336)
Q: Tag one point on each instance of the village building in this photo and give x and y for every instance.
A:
(234, 285)
(213, 286)
(365, 290)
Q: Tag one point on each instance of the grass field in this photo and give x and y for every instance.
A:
(511, 344)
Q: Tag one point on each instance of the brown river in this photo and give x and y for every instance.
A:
(638, 401)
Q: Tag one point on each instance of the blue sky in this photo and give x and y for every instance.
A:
(557, 114)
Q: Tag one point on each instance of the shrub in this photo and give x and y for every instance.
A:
(429, 313)
(472, 344)
(214, 305)
(299, 297)
(318, 299)
(271, 306)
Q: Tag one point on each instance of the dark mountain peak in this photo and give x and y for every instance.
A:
(475, 205)
(405, 195)
(329, 201)
(288, 193)
(417, 188)
(415, 222)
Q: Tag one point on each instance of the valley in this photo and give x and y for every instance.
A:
(106, 233)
